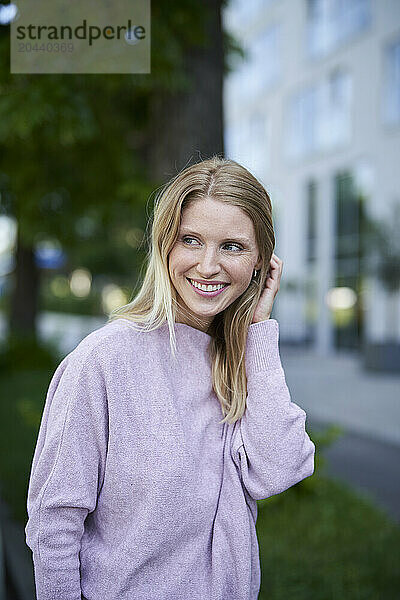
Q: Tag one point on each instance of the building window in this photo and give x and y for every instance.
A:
(238, 14)
(391, 84)
(264, 62)
(347, 224)
(311, 211)
(319, 116)
(311, 272)
(301, 132)
(258, 71)
(248, 141)
(332, 22)
(348, 258)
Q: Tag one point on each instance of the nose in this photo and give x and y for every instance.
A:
(208, 264)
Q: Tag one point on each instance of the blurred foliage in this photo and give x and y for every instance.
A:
(335, 543)
(73, 168)
(72, 145)
(90, 305)
(22, 397)
(19, 353)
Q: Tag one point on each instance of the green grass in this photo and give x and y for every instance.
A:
(22, 396)
(328, 544)
(319, 540)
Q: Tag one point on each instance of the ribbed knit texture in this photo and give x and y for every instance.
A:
(136, 491)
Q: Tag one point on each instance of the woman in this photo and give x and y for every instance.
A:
(138, 488)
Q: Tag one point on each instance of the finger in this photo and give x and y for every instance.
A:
(277, 261)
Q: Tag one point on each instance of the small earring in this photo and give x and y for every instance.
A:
(254, 274)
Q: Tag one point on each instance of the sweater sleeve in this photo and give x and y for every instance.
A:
(66, 474)
(270, 445)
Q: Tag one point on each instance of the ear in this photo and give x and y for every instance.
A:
(258, 263)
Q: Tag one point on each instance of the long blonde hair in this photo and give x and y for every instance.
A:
(156, 302)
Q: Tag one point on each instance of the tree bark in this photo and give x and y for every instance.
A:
(184, 127)
(24, 297)
(187, 126)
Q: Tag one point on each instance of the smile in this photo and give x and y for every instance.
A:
(207, 290)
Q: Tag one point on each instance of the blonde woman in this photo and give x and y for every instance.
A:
(163, 427)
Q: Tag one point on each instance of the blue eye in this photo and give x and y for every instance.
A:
(187, 238)
(236, 246)
(184, 239)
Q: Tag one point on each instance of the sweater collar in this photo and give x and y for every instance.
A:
(192, 331)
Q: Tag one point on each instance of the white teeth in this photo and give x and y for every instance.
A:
(207, 288)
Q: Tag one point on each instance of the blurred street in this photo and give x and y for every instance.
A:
(336, 390)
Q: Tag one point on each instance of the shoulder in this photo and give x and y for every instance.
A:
(105, 343)
(97, 362)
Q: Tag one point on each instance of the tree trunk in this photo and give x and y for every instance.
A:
(24, 297)
(187, 126)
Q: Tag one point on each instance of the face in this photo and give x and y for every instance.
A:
(216, 244)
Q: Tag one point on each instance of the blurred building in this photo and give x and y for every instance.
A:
(314, 113)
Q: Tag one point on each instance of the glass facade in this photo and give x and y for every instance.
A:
(240, 13)
(319, 116)
(391, 84)
(311, 299)
(311, 197)
(247, 140)
(265, 65)
(330, 23)
(349, 209)
(259, 71)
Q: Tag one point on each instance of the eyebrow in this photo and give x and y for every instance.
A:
(244, 240)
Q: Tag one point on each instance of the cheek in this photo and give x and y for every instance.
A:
(242, 270)
(178, 261)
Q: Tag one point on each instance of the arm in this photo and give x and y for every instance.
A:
(66, 474)
(270, 445)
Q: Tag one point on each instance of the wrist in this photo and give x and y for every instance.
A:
(261, 320)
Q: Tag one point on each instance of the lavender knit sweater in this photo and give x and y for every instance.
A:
(136, 492)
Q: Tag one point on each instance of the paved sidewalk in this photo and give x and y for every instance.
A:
(336, 389)
(370, 467)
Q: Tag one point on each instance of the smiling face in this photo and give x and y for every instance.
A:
(216, 244)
